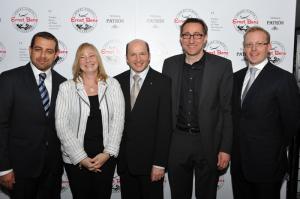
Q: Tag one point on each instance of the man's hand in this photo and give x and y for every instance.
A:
(8, 180)
(157, 174)
(223, 160)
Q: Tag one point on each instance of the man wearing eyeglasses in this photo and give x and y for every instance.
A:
(266, 112)
(202, 123)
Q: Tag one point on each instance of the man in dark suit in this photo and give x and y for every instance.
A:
(30, 157)
(265, 117)
(202, 125)
(145, 143)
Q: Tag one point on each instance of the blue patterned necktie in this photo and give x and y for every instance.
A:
(44, 93)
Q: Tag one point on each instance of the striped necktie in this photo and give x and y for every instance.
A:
(135, 89)
(44, 93)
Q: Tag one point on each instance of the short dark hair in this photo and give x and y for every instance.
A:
(147, 46)
(45, 35)
(195, 20)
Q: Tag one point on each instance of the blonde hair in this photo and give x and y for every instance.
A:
(77, 72)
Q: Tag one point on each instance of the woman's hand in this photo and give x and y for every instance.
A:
(99, 160)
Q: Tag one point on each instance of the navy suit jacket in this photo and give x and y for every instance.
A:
(264, 124)
(147, 129)
(27, 136)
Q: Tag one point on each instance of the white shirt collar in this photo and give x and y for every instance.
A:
(259, 66)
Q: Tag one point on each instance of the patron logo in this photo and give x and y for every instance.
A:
(216, 47)
(84, 20)
(275, 22)
(155, 20)
(183, 15)
(24, 19)
(114, 20)
(243, 20)
(277, 52)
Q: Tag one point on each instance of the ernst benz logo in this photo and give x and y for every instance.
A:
(115, 21)
(24, 19)
(63, 52)
(277, 52)
(244, 20)
(116, 184)
(84, 20)
(183, 15)
(155, 20)
(2, 52)
(111, 51)
(216, 47)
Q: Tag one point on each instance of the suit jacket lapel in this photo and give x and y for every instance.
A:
(30, 80)
(144, 89)
(55, 86)
(126, 92)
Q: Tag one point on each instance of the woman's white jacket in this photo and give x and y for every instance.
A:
(72, 111)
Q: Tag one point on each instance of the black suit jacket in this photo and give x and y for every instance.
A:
(147, 129)
(264, 124)
(214, 110)
(27, 137)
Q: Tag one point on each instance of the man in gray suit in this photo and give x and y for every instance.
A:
(202, 123)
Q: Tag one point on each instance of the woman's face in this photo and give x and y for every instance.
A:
(88, 61)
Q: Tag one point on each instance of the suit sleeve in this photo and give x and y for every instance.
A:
(164, 125)
(226, 87)
(289, 105)
(6, 106)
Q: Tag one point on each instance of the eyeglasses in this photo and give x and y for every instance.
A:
(189, 36)
(256, 45)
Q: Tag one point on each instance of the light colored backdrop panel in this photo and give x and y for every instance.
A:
(155, 21)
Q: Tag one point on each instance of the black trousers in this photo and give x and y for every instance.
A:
(46, 186)
(243, 189)
(86, 184)
(140, 187)
(185, 160)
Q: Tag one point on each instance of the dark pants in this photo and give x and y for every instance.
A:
(243, 189)
(186, 159)
(46, 186)
(140, 187)
(86, 184)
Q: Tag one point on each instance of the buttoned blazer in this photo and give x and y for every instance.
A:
(214, 106)
(264, 124)
(26, 134)
(147, 128)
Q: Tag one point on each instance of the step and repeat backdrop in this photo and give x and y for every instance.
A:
(109, 25)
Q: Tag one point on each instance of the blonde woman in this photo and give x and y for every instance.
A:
(89, 121)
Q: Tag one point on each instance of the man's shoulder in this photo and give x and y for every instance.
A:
(216, 58)
(122, 75)
(175, 58)
(15, 71)
(58, 76)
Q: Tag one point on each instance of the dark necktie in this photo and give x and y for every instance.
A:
(44, 93)
(135, 89)
(250, 82)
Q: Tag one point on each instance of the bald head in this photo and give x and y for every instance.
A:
(140, 41)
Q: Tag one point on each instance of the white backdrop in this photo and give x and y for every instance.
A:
(109, 25)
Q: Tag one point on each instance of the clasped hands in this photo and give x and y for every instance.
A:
(94, 164)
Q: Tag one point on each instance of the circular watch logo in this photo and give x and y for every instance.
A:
(277, 52)
(24, 19)
(243, 20)
(216, 47)
(2, 52)
(63, 52)
(84, 20)
(183, 15)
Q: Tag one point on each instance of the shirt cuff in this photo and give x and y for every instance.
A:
(2, 173)
(159, 167)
